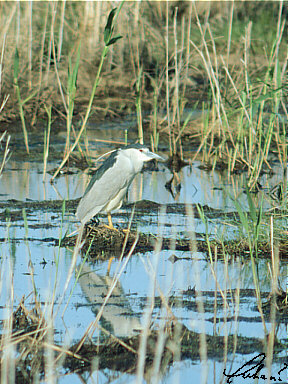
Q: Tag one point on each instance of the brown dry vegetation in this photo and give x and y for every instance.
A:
(227, 58)
(47, 34)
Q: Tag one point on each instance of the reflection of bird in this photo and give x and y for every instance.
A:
(110, 182)
(118, 316)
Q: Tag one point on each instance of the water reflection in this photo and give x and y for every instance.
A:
(118, 317)
(192, 185)
(123, 314)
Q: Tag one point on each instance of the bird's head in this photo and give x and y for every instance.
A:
(139, 154)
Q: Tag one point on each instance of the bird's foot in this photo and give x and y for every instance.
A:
(111, 227)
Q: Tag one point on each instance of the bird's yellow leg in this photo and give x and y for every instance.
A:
(109, 264)
(110, 224)
(110, 221)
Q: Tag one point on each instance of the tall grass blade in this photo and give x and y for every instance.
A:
(47, 139)
(20, 101)
(95, 85)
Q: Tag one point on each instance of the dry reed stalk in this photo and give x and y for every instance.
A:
(49, 357)
(53, 7)
(214, 274)
(57, 73)
(199, 297)
(180, 69)
(6, 151)
(8, 351)
(41, 60)
(138, 69)
(236, 313)
(229, 39)
(147, 314)
(187, 50)
(252, 132)
(171, 148)
(175, 97)
(283, 76)
(47, 139)
(236, 306)
(207, 63)
(150, 269)
(162, 334)
(273, 304)
(160, 344)
(61, 30)
(63, 352)
(280, 29)
(71, 271)
(226, 308)
(1, 67)
(236, 90)
(119, 341)
(139, 90)
(19, 337)
(213, 75)
(30, 44)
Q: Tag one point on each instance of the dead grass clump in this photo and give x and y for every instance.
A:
(28, 335)
(277, 302)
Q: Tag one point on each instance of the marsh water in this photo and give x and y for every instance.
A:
(34, 264)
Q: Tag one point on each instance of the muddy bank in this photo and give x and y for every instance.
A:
(180, 344)
(104, 243)
(12, 206)
(12, 209)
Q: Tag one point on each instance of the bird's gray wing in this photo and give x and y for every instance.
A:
(103, 187)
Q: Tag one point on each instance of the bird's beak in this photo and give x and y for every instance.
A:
(155, 156)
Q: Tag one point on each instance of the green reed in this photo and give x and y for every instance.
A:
(71, 94)
(154, 137)
(246, 121)
(47, 139)
(139, 82)
(109, 40)
(250, 227)
(251, 222)
(30, 263)
(21, 102)
(207, 235)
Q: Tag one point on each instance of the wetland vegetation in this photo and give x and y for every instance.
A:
(198, 286)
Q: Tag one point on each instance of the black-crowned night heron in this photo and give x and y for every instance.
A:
(110, 182)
